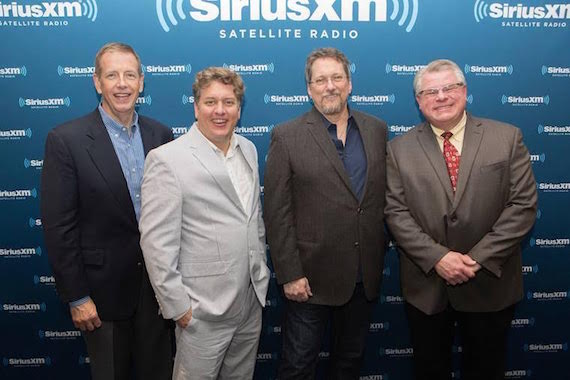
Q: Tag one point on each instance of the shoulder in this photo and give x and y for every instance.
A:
(155, 125)
(493, 127)
(293, 126)
(360, 116)
(78, 126)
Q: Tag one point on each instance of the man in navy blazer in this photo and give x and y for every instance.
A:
(90, 203)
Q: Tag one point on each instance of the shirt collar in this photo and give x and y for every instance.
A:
(234, 143)
(455, 130)
(112, 125)
(329, 124)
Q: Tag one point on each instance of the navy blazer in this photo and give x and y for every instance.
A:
(90, 228)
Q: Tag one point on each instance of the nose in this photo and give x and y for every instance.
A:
(219, 109)
(330, 83)
(441, 95)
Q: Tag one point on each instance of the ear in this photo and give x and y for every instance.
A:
(309, 91)
(141, 83)
(97, 84)
(195, 110)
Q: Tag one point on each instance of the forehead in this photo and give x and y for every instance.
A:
(438, 78)
(326, 65)
(217, 89)
(114, 58)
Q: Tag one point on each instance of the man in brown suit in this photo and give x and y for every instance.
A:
(324, 199)
(461, 196)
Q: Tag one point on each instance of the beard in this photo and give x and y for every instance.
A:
(330, 106)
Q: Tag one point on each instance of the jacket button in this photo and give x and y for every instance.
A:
(356, 244)
(360, 211)
(139, 264)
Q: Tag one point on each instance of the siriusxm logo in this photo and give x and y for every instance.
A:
(526, 269)
(550, 129)
(26, 362)
(58, 10)
(84, 360)
(538, 213)
(524, 14)
(273, 329)
(555, 71)
(252, 69)
(15, 134)
(75, 72)
(403, 69)
(517, 373)
(539, 157)
(18, 194)
(33, 163)
(547, 296)
(44, 103)
(549, 243)
(399, 129)
(53, 335)
(265, 356)
(179, 131)
(392, 299)
(488, 70)
(254, 130)
(404, 12)
(396, 352)
(24, 308)
(187, 99)
(549, 187)
(12, 72)
(44, 280)
(522, 322)
(34, 222)
(373, 377)
(532, 101)
(146, 100)
(286, 100)
(546, 347)
(372, 100)
(379, 326)
(20, 252)
(167, 70)
(469, 99)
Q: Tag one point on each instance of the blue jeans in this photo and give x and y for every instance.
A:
(304, 325)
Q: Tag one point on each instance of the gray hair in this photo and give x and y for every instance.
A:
(327, 52)
(437, 66)
(115, 46)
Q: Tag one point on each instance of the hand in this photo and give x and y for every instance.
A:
(185, 319)
(85, 316)
(456, 268)
(298, 290)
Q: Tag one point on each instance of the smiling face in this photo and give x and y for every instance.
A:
(444, 109)
(217, 112)
(330, 96)
(119, 84)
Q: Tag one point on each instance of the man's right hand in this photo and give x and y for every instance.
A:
(185, 320)
(85, 316)
(298, 290)
(456, 268)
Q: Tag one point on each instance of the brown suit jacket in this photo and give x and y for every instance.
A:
(492, 210)
(316, 226)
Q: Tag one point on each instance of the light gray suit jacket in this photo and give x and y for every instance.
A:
(492, 210)
(201, 248)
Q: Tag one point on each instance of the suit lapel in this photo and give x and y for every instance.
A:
(471, 142)
(250, 158)
(147, 135)
(212, 164)
(323, 140)
(367, 138)
(101, 151)
(428, 142)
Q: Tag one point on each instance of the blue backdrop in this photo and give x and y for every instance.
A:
(516, 58)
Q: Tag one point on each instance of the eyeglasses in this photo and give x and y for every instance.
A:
(323, 81)
(433, 92)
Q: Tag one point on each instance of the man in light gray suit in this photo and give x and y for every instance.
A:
(460, 198)
(203, 238)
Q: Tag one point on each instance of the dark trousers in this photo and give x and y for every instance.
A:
(143, 343)
(304, 325)
(483, 336)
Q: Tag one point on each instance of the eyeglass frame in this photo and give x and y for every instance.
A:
(323, 81)
(431, 92)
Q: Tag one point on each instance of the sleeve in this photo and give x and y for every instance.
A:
(518, 216)
(59, 202)
(160, 226)
(279, 212)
